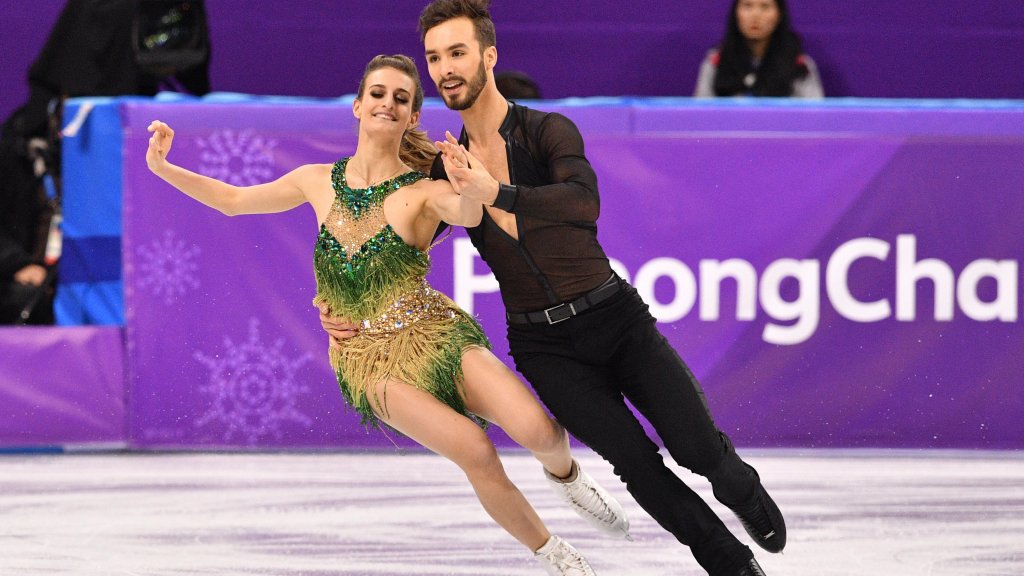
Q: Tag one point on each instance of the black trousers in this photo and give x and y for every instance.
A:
(584, 368)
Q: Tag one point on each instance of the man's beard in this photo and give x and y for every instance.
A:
(474, 88)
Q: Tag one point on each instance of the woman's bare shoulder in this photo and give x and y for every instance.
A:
(314, 169)
(310, 175)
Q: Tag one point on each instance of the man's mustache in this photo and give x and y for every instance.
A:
(440, 85)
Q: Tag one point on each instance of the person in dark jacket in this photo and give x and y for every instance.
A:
(25, 293)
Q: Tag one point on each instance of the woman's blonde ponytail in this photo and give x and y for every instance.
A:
(417, 150)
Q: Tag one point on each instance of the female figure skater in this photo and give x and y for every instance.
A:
(419, 363)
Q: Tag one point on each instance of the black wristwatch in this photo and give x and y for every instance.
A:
(506, 199)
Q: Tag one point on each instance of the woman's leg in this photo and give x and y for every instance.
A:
(433, 424)
(497, 395)
(494, 393)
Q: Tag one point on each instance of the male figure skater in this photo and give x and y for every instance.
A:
(581, 335)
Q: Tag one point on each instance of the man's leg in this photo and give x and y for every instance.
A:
(586, 400)
(664, 390)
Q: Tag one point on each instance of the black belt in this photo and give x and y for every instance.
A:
(567, 310)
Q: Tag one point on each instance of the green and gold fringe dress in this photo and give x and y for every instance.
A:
(365, 271)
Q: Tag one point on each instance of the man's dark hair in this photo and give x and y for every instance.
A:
(515, 85)
(440, 11)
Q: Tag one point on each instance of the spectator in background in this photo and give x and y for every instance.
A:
(759, 56)
(25, 290)
(96, 48)
(515, 85)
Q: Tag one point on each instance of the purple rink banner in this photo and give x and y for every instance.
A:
(62, 386)
(841, 274)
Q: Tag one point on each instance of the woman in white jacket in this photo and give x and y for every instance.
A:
(760, 55)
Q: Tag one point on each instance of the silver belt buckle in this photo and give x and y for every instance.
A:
(547, 313)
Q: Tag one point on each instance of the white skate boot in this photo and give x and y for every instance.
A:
(559, 558)
(593, 503)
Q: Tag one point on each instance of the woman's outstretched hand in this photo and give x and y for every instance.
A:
(159, 145)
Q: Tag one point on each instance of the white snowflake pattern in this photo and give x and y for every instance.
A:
(252, 387)
(168, 267)
(242, 158)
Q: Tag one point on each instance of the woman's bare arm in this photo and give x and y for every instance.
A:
(280, 195)
(444, 204)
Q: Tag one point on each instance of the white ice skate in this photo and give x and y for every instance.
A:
(588, 499)
(559, 558)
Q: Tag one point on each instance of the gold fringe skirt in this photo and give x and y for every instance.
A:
(419, 341)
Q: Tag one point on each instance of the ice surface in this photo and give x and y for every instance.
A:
(387, 513)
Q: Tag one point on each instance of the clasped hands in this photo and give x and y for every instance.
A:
(466, 172)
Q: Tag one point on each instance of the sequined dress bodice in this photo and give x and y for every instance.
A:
(362, 265)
